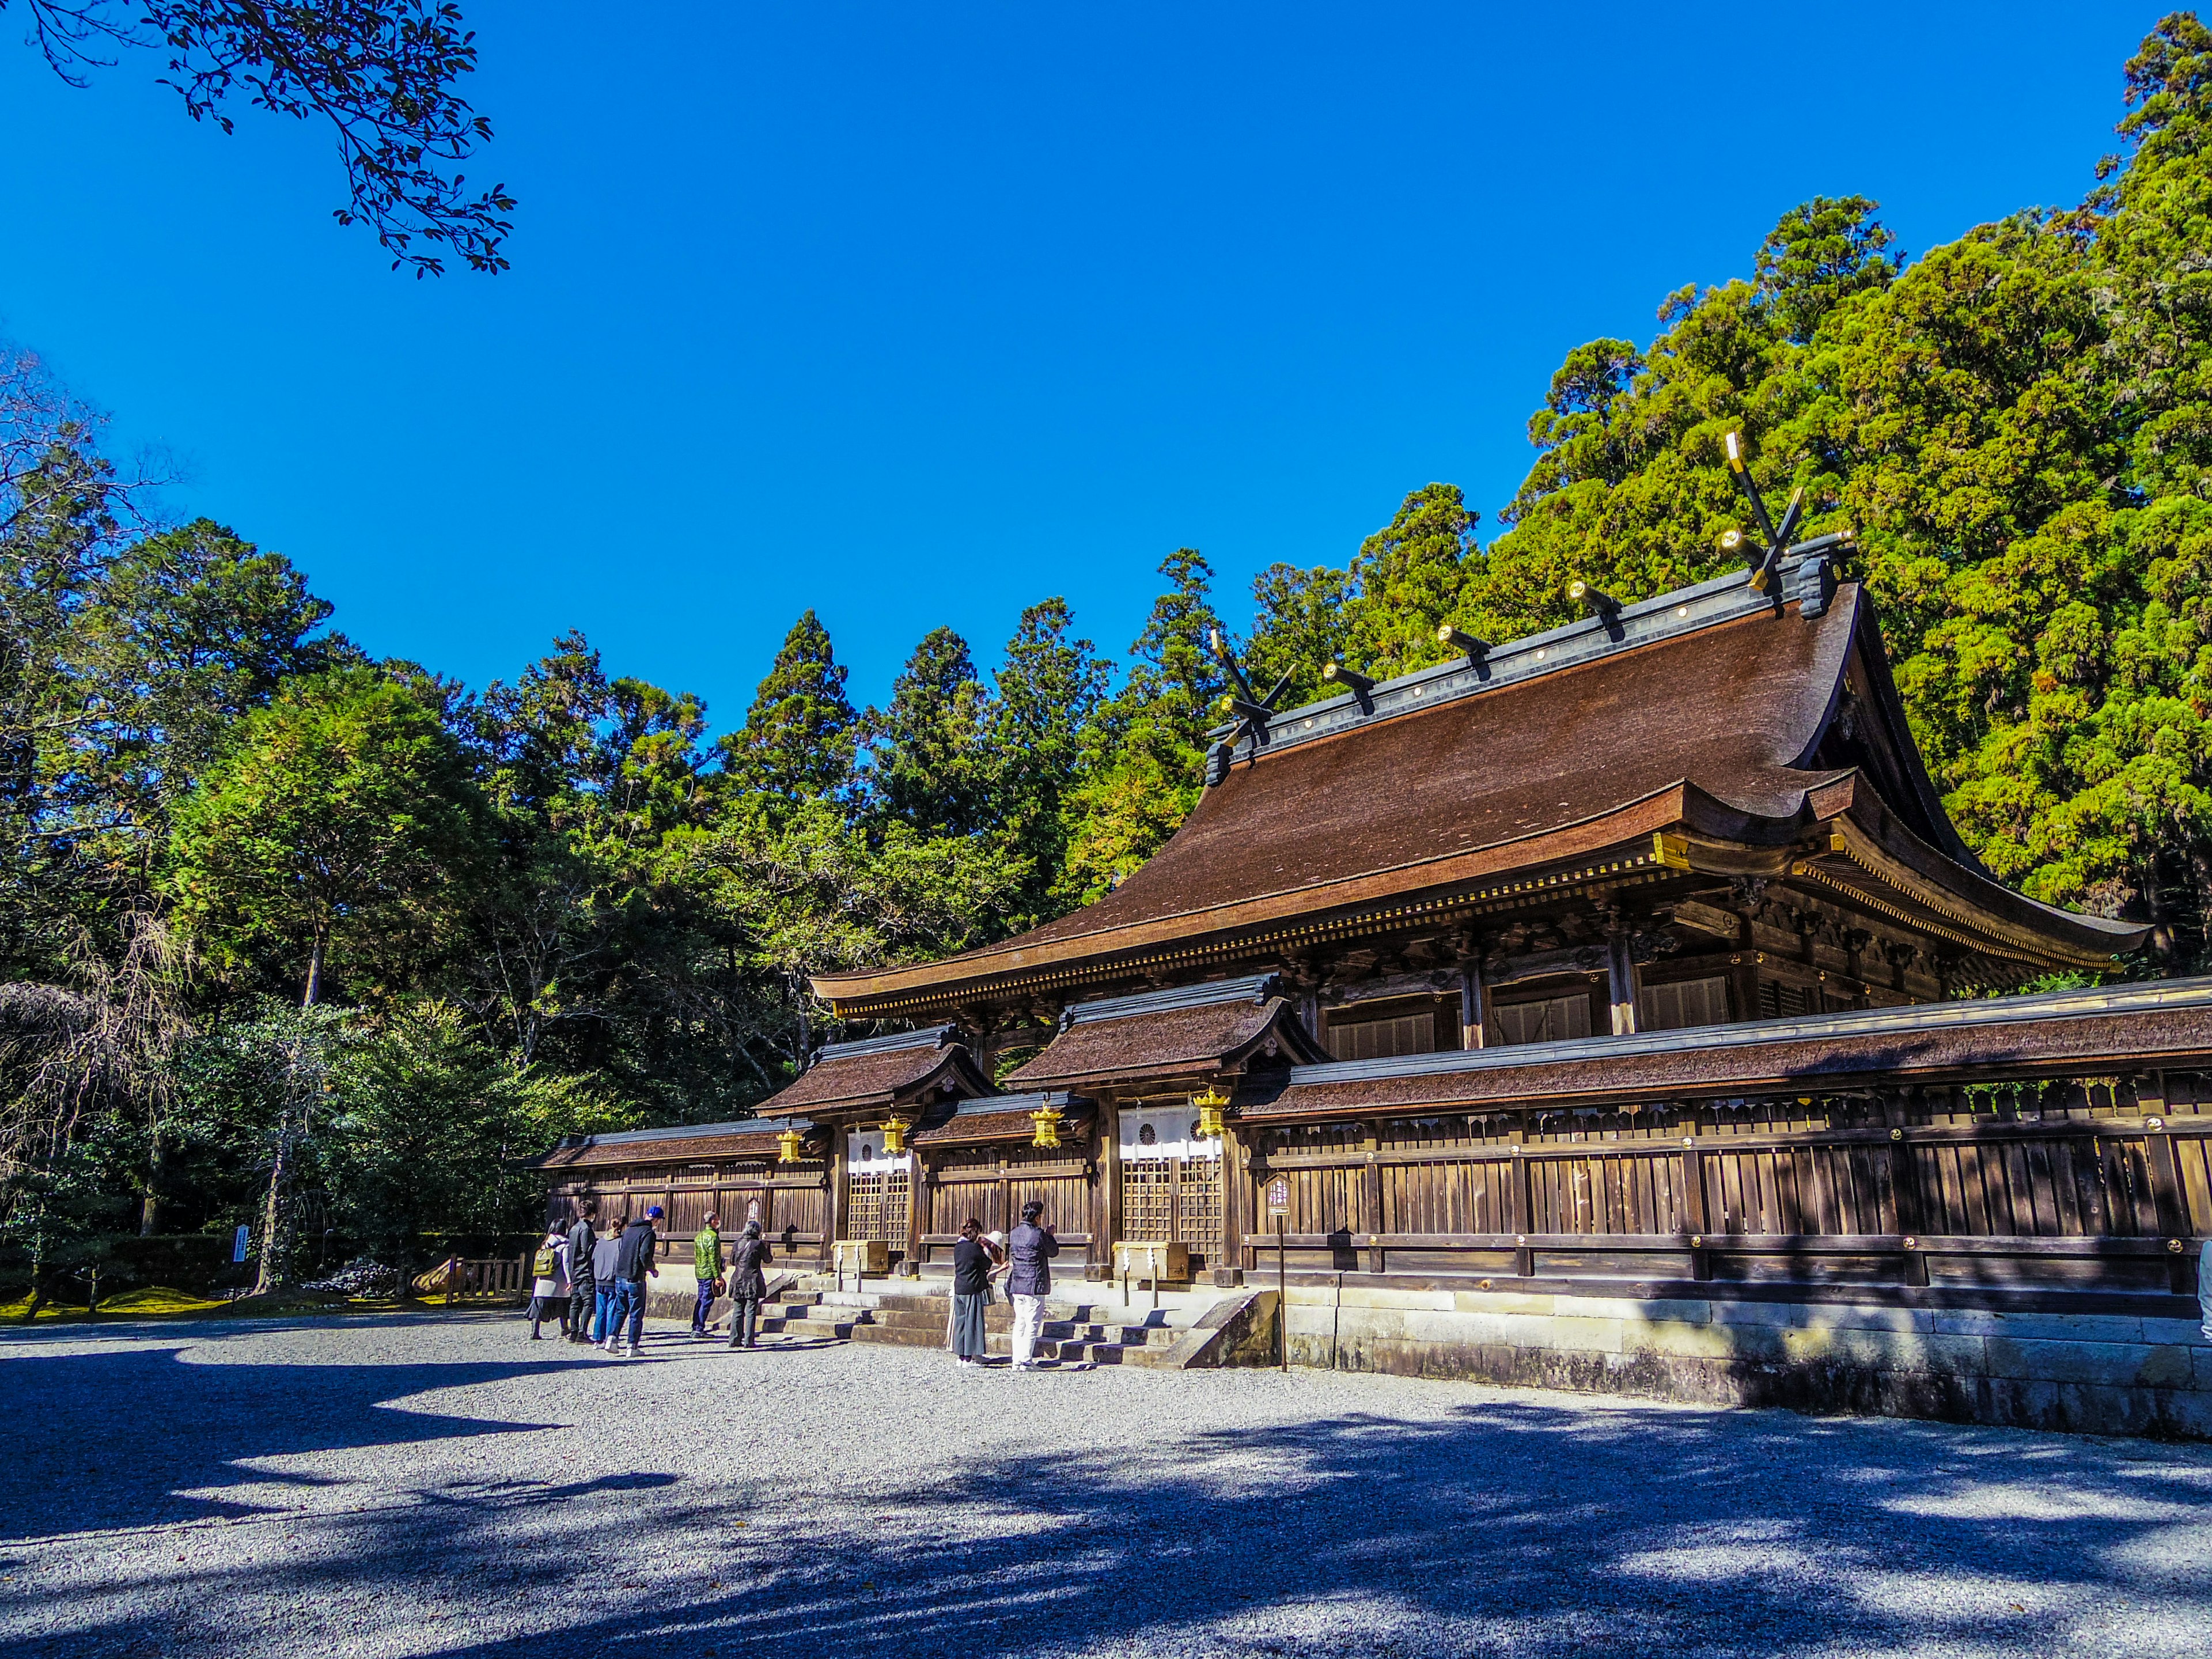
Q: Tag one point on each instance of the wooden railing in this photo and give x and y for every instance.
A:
(2090, 1183)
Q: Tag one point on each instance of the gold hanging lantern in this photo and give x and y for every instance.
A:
(895, 1130)
(786, 1146)
(1209, 1106)
(1047, 1126)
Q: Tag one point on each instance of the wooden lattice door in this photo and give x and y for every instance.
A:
(1171, 1180)
(879, 1190)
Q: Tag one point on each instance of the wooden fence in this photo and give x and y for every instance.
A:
(2091, 1183)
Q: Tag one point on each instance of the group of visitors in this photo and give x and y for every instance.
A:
(593, 1284)
(746, 1283)
(1024, 1256)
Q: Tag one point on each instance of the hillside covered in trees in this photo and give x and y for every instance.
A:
(281, 918)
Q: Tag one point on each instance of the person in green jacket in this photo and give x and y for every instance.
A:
(707, 1262)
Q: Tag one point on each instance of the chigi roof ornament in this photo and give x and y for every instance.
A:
(1814, 578)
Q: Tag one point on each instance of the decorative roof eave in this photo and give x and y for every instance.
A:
(2140, 1027)
(1606, 851)
(882, 1074)
(1872, 857)
(998, 1118)
(744, 1139)
(1198, 1033)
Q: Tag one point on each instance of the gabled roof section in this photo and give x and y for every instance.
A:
(1713, 711)
(885, 1072)
(1191, 1031)
(2162, 1023)
(1003, 1117)
(747, 1137)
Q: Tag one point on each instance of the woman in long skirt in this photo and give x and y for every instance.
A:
(549, 1292)
(971, 1292)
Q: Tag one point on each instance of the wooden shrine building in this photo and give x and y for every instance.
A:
(1635, 959)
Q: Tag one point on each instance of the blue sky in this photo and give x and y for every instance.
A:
(917, 314)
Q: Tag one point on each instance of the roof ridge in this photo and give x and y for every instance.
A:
(1860, 1022)
(1251, 987)
(1806, 572)
(932, 1036)
(744, 1126)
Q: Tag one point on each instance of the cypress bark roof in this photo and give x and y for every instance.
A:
(2127, 1026)
(1709, 713)
(883, 1072)
(1003, 1117)
(749, 1137)
(1204, 1028)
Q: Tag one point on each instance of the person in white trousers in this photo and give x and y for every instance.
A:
(1030, 1250)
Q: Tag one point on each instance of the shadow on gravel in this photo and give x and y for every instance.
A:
(90, 1441)
(1508, 1527)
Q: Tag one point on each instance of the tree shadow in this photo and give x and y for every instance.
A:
(136, 1436)
(1524, 1525)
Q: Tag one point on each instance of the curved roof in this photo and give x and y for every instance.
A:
(1710, 708)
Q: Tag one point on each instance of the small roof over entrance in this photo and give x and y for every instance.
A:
(1197, 1030)
(908, 1070)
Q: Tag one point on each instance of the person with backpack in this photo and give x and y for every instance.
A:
(583, 1283)
(605, 1253)
(549, 1289)
(748, 1285)
(707, 1266)
(634, 1265)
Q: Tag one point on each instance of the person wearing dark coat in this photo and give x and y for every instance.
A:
(634, 1265)
(973, 1261)
(1030, 1247)
(748, 1285)
(583, 1288)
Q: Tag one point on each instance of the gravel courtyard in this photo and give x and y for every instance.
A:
(418, 1485)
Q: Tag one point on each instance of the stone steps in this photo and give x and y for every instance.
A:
(1067, 1335)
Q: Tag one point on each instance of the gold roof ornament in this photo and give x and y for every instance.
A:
(788, 1144)
(1047, 1120)
(1209, 1106)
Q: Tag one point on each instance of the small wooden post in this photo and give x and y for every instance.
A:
(1471, 1010)
(1278, 1210)
(1283, 1290)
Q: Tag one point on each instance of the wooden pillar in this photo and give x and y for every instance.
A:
(1472, 1012)
(1229, 1259)
(917, 1202)
(1371, 1193)
(833, 1172)
(1109, 1175)
(1621, 984)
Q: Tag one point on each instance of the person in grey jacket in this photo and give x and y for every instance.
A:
(748, 1285)
(583, 1288)
(1030, 1247)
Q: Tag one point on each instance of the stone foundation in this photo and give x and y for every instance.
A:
(2084, 1373)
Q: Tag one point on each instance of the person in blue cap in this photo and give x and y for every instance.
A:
(634, 1265)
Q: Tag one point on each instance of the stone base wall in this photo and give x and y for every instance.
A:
(2085, 1373)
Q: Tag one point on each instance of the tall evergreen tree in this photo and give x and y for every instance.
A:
(1050, 688)
(929, 761)
(1145, 747)
(799, 737)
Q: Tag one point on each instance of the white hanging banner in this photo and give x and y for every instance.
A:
(865, 1154)
(1164, 1132)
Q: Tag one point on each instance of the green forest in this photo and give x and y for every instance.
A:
(319, 944)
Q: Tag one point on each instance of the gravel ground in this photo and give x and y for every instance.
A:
(404, 1485)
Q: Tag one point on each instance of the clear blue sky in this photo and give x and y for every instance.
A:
(917, 313)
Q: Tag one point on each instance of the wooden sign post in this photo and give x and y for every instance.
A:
(1278, 1210)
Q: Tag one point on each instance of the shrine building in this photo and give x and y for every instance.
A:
(1634, 960)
